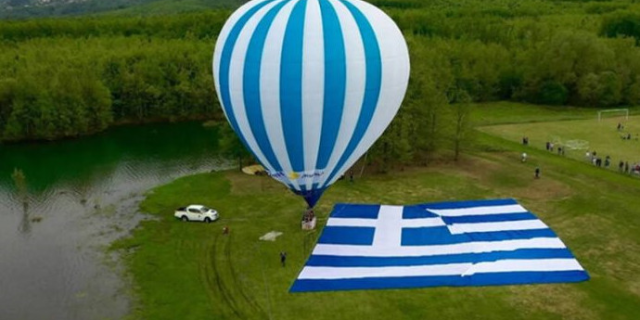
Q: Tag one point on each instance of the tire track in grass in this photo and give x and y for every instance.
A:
(206, 268)
(250, 300)
(214, 280)
(180, 233)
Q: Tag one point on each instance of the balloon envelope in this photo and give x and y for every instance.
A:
(309, 85)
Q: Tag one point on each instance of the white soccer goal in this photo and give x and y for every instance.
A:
(618, 112)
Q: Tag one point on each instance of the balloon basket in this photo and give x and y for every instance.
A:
(309, 224)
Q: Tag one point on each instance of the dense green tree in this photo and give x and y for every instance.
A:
(67, 87)
(622, 24)
(460, 113)
(632, 92)
(610, 94)
(552, 92)
(231, 146)
(589, 89)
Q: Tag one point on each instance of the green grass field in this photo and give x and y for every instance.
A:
(192, 271)
(579, 136)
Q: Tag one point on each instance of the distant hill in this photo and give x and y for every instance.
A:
(12, 9)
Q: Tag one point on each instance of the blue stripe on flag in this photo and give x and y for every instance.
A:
(225, 63)
(441, 235)
(361, 211)
(291, 86)
(373, 82)
(335, 78)
(347, 235)
(490, 218)
(469, 204)
(352, 261)
(482, 279)
(416, 212)
(251, 84)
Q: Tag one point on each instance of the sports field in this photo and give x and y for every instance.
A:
(579, 136)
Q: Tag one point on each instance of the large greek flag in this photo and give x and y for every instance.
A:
(470, 243)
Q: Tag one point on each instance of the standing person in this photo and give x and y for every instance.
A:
(351, 176)
(283, 258)
(524, 157)
(626, 167)
(621, 166)
(537, 172)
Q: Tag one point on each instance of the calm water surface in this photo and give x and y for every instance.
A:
(82, 195)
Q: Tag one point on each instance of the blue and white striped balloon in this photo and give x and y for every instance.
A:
(309, 85)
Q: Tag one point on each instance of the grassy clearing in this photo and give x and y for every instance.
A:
(505, 112)
(191, 271)
(602, 137)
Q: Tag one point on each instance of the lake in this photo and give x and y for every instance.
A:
(82, 195)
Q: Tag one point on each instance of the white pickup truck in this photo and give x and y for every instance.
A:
(196, 212)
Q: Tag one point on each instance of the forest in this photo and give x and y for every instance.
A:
(24, 9)
(66, 77)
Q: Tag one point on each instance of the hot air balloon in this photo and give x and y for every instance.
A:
(309, 85)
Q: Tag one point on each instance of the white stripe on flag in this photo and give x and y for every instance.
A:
(351, 222)
(432, 250)
(479, 211)
(406, 223)
(535, 265)
(458, 228)
(538, 265)
(423, 223)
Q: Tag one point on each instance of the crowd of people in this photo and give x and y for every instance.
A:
(623, 166)
(592, 156)
(551, 146)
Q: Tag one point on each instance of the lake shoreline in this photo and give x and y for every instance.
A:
(84, 194)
